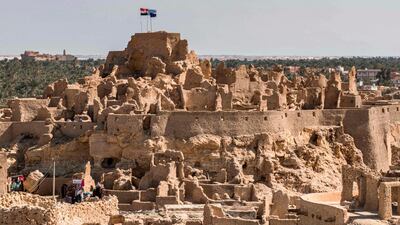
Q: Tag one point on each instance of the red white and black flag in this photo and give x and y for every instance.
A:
(144, 11)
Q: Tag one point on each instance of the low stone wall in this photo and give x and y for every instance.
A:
(26, 215)
(98, 212)
(322, 209)
(124, 196)
(19, 208)
(46, 186)
(244, 192)
(75, 129)
(233, 221)
(221, 189)
(27, 209)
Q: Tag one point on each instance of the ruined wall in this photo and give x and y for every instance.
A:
(46, 186)
(166, 46)
(100, 148)
(74, 129)
(5, 132)
(378, 137)
(35, 128)
(26, 109)
(26, 215)
(3, 173)
(87, 212)
(235, 123)
(26, 209)
(313, 211)
(124, 123)
(245, 192)
(368, 126)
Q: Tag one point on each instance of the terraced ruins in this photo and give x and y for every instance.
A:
(176, 141)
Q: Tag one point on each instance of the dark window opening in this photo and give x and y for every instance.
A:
(109, 163)
(146, 123)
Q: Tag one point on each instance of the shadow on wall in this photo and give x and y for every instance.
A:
(5, 133)
(369, 128)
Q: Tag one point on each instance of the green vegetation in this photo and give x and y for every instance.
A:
(28, 78)
(392, 63)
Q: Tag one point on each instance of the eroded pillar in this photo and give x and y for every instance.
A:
(371, 195)
(385, 202)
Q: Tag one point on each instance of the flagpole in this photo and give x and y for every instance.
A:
(148, 23)
(54, 179)
(141, 24)
(151, 24)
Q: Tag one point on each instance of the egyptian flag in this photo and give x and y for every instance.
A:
(152, 12)
(144, 11)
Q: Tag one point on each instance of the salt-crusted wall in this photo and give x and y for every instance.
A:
(368, 126)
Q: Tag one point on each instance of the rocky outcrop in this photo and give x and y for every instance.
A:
(32, 181)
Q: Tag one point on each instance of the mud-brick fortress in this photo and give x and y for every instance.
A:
(167, 133)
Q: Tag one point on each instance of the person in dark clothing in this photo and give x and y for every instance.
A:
(64, 189)
(98, 191)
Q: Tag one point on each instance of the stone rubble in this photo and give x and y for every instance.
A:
(176, 141)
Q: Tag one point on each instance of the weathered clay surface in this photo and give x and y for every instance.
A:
(179, 142)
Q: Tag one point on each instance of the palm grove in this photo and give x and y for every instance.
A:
(20, 78)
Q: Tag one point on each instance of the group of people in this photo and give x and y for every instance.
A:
(74, 193)
(17, 183)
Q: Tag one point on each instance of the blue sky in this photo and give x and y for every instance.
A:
(252, 27)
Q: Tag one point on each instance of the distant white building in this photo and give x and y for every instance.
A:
(36, 56)
(372, 87)
(367, 75)
(340, 69)
(395, 78)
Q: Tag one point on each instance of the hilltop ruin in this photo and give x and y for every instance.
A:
(179, 142)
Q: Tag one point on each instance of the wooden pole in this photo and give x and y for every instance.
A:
(141, 24)
(147, 27)
(54, 180)
(151, 24)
